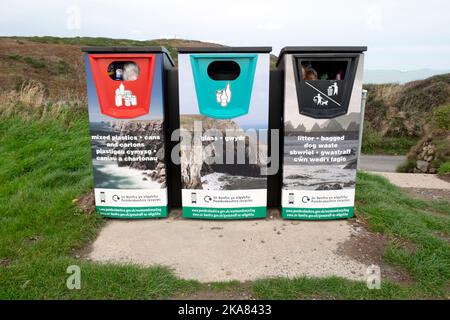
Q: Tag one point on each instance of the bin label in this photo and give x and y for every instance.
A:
(131, 203)
(217, 204)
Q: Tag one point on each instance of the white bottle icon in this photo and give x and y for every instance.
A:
(118, 98)
(125, 97)
(224, 96)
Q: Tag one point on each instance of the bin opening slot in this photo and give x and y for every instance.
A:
(323, 70)
(123, 71)
(224, 70)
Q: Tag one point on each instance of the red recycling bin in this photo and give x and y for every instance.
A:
(119, 98)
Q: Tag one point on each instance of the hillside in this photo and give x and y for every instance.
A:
(57, 62)
(403, 110)
(395, 113)
(382, 76)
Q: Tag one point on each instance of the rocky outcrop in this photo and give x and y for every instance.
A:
(429, 153)
(425, 158)
(352, 164)
(155, 169)
(194, 150)
(330, 186)
(158, 174)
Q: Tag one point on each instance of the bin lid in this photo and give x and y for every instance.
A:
(224, 49)
(128, 49)
(344, 49)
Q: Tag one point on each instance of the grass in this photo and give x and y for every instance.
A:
(45, 164)
(60, 67)
(32, 62)
(170, 44)
(374, 142)
(441, 117)
(328, 288)
(444, 168)
(412, 225)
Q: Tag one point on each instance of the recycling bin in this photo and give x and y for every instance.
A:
(126, 102)
(224, 114)
(322, 124)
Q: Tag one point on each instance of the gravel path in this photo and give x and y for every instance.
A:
(415, 180)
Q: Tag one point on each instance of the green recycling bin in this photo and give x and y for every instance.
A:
(224, 104)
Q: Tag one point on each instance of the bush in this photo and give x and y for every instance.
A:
(15, 57)
(35, 63)
(61, 68)
(30, 103)
(408, 166)
(444, 168)
(441, 117)
(374, 142)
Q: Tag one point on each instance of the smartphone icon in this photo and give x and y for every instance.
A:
(102, 197)
(291, 198)
(193, 197)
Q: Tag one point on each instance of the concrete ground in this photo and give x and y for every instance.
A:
(380, 163)
(231, 250)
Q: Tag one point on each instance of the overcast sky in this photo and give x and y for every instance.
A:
(400, 34)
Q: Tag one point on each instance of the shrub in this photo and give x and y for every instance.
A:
(407, 166)
(30, 102)
(441, 117)
(444, 168)
(61, 68)
(35, 63)
(375, 142)
(15, 57)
